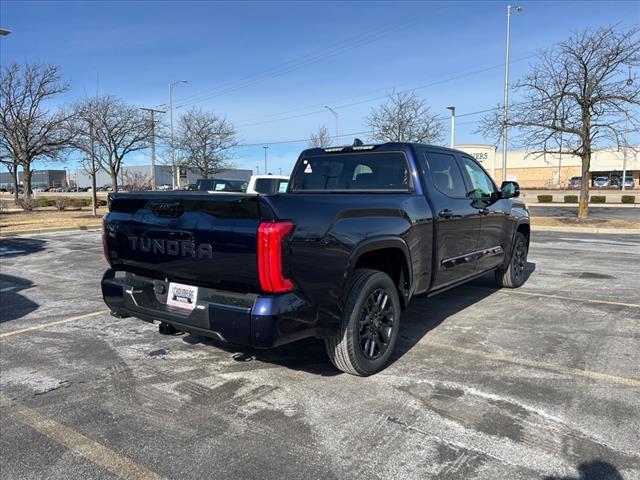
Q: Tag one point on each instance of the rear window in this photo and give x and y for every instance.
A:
(271, 185)
(352, 171)
(218, 185)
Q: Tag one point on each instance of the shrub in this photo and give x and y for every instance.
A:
(102, 203)
(571, 199)
(62, 203)
(598, 199)
(628, 199)
(545, 198)
(76, 202)
(42, 202)
(26, 204)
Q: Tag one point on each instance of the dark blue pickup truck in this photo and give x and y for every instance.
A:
(359, 232)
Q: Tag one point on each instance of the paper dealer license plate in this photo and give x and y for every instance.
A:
(182, 296)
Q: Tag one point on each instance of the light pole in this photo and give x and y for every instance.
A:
(335, 114)
(453, 125)
(4, 32)
(265, 159)
(257, 169)
(624, 153)
(505, 127)
(174, 173)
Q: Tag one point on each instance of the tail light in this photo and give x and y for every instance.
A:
(271, 236)
(105, 246)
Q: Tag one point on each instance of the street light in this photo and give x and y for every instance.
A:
(4, 32)
(335, 114)
(173, 150)
(505, 127)
(265, 160)
(453, 125)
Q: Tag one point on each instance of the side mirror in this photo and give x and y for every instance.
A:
(509, 190)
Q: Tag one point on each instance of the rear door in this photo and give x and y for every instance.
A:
(457, 222)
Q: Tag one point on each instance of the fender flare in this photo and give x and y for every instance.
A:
(520, 221)
(379, 243)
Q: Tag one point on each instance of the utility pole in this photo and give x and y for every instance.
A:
(335, 114)
(505, 128)
(265, 159)
(453, 125)
(153, 144)
(174, 171)
(257, 169)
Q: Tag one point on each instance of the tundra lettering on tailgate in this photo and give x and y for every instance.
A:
(176, 248)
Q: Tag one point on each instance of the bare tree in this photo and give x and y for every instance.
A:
(404, 118)
(29, 131)
(116, 128)
(320, 139)
(204, 141)
(136, 181)
(581, 91)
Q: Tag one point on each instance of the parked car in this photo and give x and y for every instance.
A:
(575, 182)
(628, 183)
(268, 184)
(361, 231)
(164, 187)
(601, 182)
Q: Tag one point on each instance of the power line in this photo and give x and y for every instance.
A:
(365, 132)
(381, 97)
(286, 67)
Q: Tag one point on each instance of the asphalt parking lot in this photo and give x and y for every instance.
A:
(631, 214)
(542, 382)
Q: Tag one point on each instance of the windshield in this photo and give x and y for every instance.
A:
(355, 171)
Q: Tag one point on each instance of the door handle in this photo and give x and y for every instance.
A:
(446, 213)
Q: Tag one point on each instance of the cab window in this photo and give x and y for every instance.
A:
(446, 175)
(482, 186)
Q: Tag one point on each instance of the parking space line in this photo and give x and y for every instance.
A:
(99, 454)
(562, 297)
(603, 377)
(50, 324)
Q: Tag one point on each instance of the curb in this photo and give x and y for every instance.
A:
(80, 228)
(610, 231)
(591, 205)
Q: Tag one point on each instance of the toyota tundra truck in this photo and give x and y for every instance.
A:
(358, 233)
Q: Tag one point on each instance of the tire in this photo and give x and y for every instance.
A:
(370, 325)
(514, 275)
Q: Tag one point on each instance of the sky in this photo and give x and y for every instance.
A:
(271, 67)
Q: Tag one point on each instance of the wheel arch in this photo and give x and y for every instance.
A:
(387, 254)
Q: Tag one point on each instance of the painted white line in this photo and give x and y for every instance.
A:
(602, 377)
(99, 454)
(50, 324)
(8, 251)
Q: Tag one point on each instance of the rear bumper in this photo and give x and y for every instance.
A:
(258, 321)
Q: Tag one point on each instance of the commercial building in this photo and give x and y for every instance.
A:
(39, 178)
(162, 175)
(534, 170)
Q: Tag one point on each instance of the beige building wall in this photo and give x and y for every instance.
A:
(542, 170)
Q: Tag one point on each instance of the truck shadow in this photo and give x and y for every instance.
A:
(422, 316)
(594, 470)
(18, 247)
(13, 305)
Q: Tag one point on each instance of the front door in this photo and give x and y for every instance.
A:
(457, 222)
(493, 238)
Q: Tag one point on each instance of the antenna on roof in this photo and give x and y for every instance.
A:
(357, 142)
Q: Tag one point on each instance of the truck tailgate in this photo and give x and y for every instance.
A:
(192, 238)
